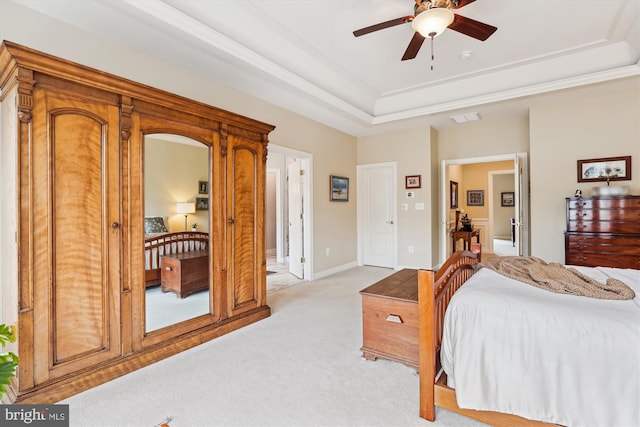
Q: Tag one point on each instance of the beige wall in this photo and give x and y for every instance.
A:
(411, 150)
(582, 123)
(599, 121)
(487, 137)
(475, 176)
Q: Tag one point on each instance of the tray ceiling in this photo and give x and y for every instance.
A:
(302, 55)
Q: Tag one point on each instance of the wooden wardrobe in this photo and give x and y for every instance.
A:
(72, 221)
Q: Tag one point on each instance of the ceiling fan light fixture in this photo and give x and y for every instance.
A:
(432, 22)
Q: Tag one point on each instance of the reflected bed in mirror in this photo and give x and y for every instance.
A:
(176, 258)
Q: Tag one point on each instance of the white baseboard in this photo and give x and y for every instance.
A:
(339, 269)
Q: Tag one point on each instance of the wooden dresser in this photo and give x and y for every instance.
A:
(390, 318)
(603, 231)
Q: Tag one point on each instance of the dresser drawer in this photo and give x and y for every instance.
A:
(611, 227)
(603, 260)
(390, 329)
(605, 203)
(609, 244)
(626, 215)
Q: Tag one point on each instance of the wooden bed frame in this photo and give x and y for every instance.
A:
(434, 294)
(166, 244)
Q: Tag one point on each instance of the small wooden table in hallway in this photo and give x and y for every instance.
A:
(467, 236)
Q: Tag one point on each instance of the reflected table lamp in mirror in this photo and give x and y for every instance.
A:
(186, 209)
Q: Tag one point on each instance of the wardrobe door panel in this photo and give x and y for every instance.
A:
(245, 195)
(78, 294)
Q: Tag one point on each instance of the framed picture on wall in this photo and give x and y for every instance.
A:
(203, 187)
(453, 195)
(507, 199)
(339, 189)
(202, 204)
(412, 181)
(475, 197)
(605, 169)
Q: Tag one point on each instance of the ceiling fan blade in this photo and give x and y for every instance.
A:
(414, 46)
(471, 27)
(382, 26)
(463, 3)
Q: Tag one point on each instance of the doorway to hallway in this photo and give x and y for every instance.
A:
(288, 219)
(451, 170)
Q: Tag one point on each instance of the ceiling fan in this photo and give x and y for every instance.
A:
(431, 18)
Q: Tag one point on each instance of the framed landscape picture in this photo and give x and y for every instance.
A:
(339, 189)
(605, 169)
(507, 199)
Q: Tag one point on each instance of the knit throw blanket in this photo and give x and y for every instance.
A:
(557, 278)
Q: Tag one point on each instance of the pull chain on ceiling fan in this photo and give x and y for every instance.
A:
(431, 22)
(430, 19)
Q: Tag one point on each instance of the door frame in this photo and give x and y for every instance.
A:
(361, 204)
(306, 160)
(277, 173)
(521, 176)
(490, 191)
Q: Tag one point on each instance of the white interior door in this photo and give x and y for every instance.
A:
(296, 254)
(377, 197)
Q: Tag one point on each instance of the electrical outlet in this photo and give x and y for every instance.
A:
(326, 251)
(410, 249)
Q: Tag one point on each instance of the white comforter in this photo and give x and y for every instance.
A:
(514, 348)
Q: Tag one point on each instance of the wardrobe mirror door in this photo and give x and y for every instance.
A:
(176, 211)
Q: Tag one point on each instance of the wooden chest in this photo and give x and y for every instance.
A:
(603, 231)
(390, 318)
(185, 273)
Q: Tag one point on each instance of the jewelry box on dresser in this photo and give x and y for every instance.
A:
(603, 231)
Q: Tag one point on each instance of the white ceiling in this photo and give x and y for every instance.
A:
(302, 55)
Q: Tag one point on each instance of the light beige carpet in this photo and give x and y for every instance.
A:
(300, 367)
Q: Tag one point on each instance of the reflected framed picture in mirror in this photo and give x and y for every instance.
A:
(202, 204)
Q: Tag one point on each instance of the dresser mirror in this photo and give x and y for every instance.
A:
(176, 230)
